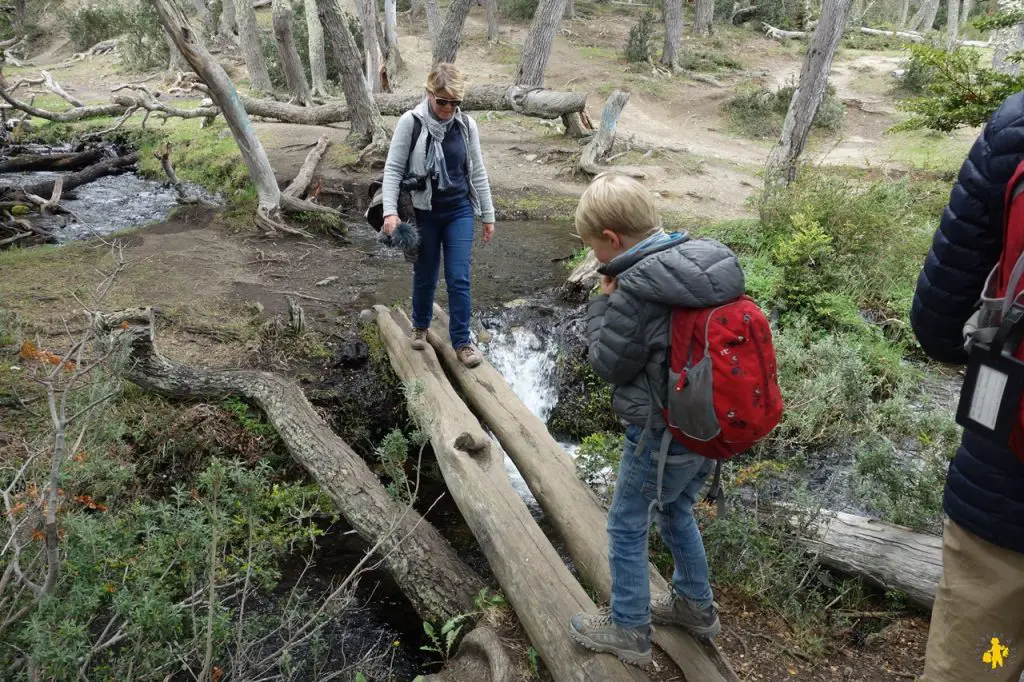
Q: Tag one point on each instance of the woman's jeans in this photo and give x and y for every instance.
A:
(450, 228)
(629, 521)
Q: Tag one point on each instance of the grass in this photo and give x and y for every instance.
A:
(533, 204)
(759, 112)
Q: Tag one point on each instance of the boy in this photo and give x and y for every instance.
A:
(645, 271)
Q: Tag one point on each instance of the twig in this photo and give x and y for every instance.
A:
(300, 295)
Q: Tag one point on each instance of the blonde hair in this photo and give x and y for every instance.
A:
(445, 77)
(619, 203)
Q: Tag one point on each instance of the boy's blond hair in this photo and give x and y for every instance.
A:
(619, 203)
(446, 78)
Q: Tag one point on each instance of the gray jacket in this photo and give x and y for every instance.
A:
(628, 332)
(403, 160)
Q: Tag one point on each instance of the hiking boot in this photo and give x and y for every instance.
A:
(597, 632)
(419, 339)
(670, 609)
(469, 355)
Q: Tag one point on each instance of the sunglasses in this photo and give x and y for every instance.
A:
(441, 102)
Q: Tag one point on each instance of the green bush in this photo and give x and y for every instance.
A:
(89, 25)
(917, 75)
(639, 46)
(759, 113)
(143, 46)
(519, 10)
(597, 461)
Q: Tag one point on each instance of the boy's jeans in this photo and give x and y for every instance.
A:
(451, 228)
(629, 522)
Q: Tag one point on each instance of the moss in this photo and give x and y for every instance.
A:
(534, 205)
(584, 399)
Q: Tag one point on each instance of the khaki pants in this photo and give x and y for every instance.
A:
(980, 597)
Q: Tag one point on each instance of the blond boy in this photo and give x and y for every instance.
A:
(645, 272)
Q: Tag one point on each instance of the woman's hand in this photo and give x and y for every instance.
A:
(488, 231)
(390, 224)
(608, 285)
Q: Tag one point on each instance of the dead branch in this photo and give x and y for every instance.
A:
(298, 186)
(779, 34)
(163, 154)
(50, 162)
(72, 180)
(52, 84)
(602, 142)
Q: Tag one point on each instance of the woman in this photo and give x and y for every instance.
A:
(438, 142)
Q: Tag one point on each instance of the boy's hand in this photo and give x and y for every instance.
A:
(608, 285)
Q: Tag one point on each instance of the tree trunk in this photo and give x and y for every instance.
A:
(248, 37)
(537, 47)
(569, 505)
(673, 33)
(532, 576)
(317, 53)
(904, 13)
(224, 95)
(44, 188)
(433, 19)
(393, 57)
(538, 103)
(367, 124)
(492, 21)
(581, 280)
(1006, 41)
(294, 73)
(367, 10)
(890, 556)
(809, 92)
(965, 13)
(205, 18)
(570, 9)
(449, 35)
(703, 16)
(924, 19)
(297, 187)
(601, 144)
(175, 61)
(50, 162)
(438, 584)
(227, 26)
(20, 14)
(952, 24)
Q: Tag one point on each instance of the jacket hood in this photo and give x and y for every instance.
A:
(685, 272)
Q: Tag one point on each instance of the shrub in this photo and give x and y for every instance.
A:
(639, 46)
(89, 25)
(597, 461)
(520, 10)
(759, 113)
(143, 45)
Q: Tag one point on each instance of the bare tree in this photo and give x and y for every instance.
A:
(965, 13)
(809, 92)
(1006, 41)
(226, 26)
(20, 14)
(904, 13)
(433, 19)
(924, 19)
(673, 33)
(294, 74)
(249, 38)
(317, 53)
(392, 55)
(203, 12)
(367, 11)
(367, 126)
(175, 61)
(492, 21)
(537, 47)
(952, 23)
(703, 16)
(449, 36)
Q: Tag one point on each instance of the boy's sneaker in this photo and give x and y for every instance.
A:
(670, 609)
(419, 339)
(469, 355)
(597, 632)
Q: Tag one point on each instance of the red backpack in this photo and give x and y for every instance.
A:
(990, 401)
(723, 391)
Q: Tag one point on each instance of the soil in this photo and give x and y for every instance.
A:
(207, 275)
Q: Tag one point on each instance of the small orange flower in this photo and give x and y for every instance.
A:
(110, 588)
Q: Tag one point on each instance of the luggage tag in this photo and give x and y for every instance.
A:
(990, 400)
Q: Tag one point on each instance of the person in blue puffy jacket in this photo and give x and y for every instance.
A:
(977, 625)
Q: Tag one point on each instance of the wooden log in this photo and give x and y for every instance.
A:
(601, 144)
(482, 657)
(438, 584)
(72, 180)
(889, 556)
(569, 504)
(540, 588)
(581, 280)
(536, 102)
(297, 187)
(50, 162)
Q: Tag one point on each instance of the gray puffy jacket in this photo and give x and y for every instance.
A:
(628, 332)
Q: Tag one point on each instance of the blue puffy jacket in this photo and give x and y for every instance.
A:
(985, 484)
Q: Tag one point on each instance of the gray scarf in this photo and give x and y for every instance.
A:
(436, 165)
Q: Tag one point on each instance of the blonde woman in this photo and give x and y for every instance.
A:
(436, 141)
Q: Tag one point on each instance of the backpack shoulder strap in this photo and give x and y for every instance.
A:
(417, 127)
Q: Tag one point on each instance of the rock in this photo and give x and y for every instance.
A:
(531, 157)
(351, 354)
(327, 280)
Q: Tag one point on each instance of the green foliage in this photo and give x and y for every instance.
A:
(584, 399)
(961, 92)
(640, 44)
(534, 659)
(597, 461)
(393, 453)
(707, 61)
(91, 24)
(519, 10)
(143, 46)
(442, 642)
(759, 113)
(917, 75)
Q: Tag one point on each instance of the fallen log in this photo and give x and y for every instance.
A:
(569, 504)
(438, 584)
(540, 588)
(297, 187)
(780, 34)
(601, 144)
(50, 162)
(888, 556)
(581, 280)
(536, 102)
(72, 180)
